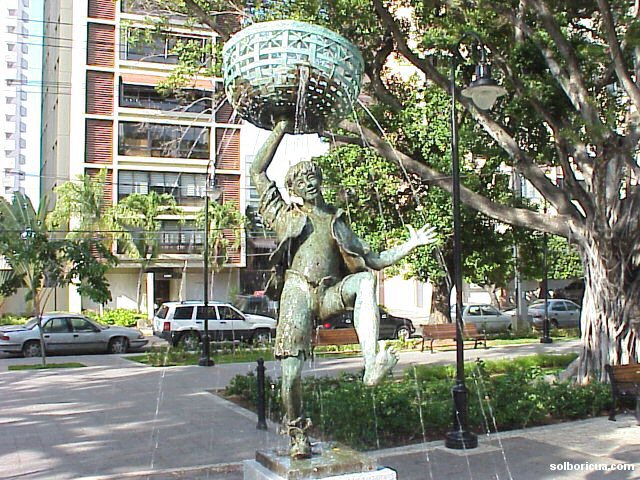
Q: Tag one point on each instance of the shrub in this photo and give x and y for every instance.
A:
(502, 396)
(119, 316)
(10, 319)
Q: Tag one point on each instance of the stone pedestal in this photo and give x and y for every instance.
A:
(330, 461)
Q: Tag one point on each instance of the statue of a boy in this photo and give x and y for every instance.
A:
(322, 268)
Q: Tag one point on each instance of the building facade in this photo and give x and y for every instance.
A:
(102, 112)
(14, 45)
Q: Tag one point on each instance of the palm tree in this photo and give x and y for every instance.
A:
(80, 206)
(135, 219)
(225, 222)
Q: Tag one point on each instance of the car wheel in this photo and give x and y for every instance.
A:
(554, 323)
(403, 333)
(261, 337)
(190, 341)
(118, 345)
(32, 349)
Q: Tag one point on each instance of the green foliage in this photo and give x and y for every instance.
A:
(137, 219)
(47, 366)
(225, 231)
(38, 258)
(9, 319)
(118, 316)
(418, 407)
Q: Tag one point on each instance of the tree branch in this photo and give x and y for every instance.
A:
(616, 54)
(558, 225)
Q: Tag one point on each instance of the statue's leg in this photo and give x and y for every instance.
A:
(359, 290)
(292, 345)
(295, 423)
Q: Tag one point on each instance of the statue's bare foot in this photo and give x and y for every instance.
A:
(386, 359)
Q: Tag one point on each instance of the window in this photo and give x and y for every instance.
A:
(571, 307)
(489, 311)
(144, 45)
(186, 188)
(159, 140)
(146, 96)
(558, 307)
(56, 325)
(81, 325)
(208, 312)
(176, 237)
(228, 313)
(162, 312)
(183, 313)
(474, 311)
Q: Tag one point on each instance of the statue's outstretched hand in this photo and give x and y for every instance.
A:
(422, 236)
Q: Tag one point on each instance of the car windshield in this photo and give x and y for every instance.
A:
(537, 304)
(32, 322)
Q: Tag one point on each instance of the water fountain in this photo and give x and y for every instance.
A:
(299, 78)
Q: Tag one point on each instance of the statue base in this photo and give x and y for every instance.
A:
(330, 461)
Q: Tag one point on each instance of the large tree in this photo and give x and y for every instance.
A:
(571, 69)
(41, 260)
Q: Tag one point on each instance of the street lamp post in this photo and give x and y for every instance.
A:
(205, 359)
(483, 91)
(545, 285)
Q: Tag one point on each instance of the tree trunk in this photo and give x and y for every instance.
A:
(139, 288)
(612, 295)
(440, 302)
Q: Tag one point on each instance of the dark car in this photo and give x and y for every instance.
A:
(391, 327)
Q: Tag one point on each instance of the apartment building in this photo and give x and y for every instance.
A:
(101, 111)
(14, 45)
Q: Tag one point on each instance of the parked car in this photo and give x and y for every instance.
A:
(487, 318)
(69, 333)
(257, 305)
(182, 323)
(391, 327)
(562, 313)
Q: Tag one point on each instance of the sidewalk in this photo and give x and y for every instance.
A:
(122, 420)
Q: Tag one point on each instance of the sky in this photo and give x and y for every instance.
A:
(34, 90)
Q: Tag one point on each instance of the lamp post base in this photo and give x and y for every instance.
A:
(461, 440)
(546, 340)
(206, 362)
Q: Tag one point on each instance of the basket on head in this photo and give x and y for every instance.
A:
(291, 70)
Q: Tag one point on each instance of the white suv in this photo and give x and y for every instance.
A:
(182, 323)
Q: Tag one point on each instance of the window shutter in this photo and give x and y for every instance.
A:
(99, 139)
(104, 9)
(101, 44)
(228, 148)
(99, 93)
(125, 182)
(230, 185)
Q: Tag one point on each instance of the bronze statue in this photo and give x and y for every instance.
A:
(322, 268)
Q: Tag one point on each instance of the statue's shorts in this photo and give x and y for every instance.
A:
(303, 304)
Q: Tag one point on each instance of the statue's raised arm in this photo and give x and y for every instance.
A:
(265, 156)
(417, 238)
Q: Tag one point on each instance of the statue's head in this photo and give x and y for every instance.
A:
(304, 180)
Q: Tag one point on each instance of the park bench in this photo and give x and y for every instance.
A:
(447, 331)
(625, 382)
(323, 337)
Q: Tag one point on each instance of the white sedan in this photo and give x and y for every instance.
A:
(69, 333)
(486, 318)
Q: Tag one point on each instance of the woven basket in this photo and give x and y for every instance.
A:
(291, 70)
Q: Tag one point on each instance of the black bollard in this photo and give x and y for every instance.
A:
(260, 401)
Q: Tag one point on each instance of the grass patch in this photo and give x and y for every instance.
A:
(39, 366)
(176, 357)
